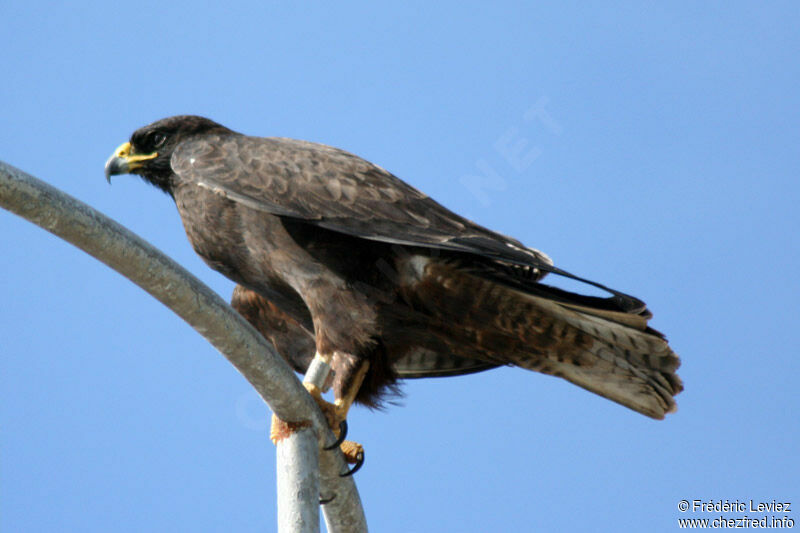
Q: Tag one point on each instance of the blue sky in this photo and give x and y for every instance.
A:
(649, 146)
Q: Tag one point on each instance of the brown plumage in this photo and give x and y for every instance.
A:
(337, 256)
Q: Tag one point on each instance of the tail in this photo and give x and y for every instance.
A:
(622, 359)
(591, 342)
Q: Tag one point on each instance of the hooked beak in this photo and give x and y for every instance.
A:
(123, 162)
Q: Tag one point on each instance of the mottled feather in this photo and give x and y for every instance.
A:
(335, 255)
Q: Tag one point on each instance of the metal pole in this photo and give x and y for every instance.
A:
(298, 482)
(298, 469)
(208, 314)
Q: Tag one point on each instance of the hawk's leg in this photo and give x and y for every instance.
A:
(349, 375)
(347, 381)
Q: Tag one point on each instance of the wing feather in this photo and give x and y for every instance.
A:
(342, 192)
(338, 191)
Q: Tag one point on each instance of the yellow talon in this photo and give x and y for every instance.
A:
(333, 413)
(280, 429)
(353, 451)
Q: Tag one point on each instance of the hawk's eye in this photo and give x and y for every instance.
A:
(155, 140)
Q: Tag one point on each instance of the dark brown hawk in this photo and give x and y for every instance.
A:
(337, 258)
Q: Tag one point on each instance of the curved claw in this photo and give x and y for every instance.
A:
(358, 465)
(340, 439)
(323, 501)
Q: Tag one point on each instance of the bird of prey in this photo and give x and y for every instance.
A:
(337, 259)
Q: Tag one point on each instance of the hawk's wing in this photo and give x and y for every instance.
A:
(335, 190)
(339, 191)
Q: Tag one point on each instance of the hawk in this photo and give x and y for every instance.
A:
(336, 258)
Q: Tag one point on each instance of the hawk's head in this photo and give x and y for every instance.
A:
(149, 151)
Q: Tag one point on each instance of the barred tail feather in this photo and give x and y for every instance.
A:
(626, 363)
(589, 341)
